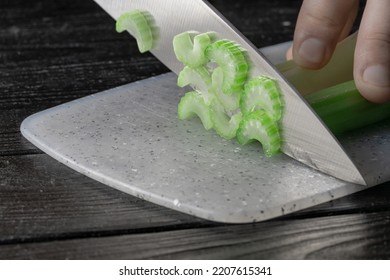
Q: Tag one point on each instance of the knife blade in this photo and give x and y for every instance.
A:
(305, 137)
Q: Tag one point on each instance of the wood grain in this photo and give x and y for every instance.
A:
(41, 199)
(337, 237)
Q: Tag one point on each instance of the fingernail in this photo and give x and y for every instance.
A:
(312, 50)
(377, 75)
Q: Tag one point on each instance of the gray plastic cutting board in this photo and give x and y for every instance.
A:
(129, 138)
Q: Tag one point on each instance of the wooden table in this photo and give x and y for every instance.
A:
(52, 52)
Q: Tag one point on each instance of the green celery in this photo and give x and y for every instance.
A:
(258, 125)
(232, 59)
(229, 101)
(141, 25)
(262, 93)
(189, 47)
(343, 109)
(192, 104)
(199, 79)
(223, 124)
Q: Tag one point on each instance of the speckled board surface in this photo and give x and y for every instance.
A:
(129, 138)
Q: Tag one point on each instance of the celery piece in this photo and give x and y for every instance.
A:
(192, 104)
(141, 25)
(258, 125)
(223, 124)
(229, 101)
(343, 109)
(190, 46)
(198, 78)
(338, 70)
(232, 59)
(262, 93)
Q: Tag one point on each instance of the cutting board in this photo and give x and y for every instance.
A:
(129, 138)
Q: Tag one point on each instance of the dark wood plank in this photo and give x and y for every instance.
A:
(338, 237)
(43, 199)
(376, 199)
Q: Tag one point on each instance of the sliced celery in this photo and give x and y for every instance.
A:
(229, 101)
(232, 59)
(262, 93)
(223, 124)
(257, 125)
(141, 25)
(190, 47)
(199, 79)
(342, 108)
(192, 104)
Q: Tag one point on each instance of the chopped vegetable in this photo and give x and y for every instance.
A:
(258, 125)
(217, 95)
(200, 80)
(262, 93)
(192, 104)
(229, 101)
(140, 24)
(231, 58)
(223, 124)
(189, 47)
(342, 108)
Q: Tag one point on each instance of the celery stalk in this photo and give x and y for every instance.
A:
(343, 109)
(338, 70)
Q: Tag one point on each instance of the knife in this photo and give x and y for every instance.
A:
(305, 137)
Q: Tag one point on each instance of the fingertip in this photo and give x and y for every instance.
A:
(372, 56)
(373, 83)
(374, 95)
(311, 53)
(320, 25)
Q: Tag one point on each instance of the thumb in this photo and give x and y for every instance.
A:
(372, 54)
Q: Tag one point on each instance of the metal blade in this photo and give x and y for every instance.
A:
(305, 137)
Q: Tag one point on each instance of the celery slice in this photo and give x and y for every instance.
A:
(257, 125)
(192, 104)
(229, 101)
(141, 25)
(262, 93)
(224, 125)
(189, 47)
(232, 59)
(198, 78)
(342, 108)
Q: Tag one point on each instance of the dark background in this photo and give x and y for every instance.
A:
(52, 52)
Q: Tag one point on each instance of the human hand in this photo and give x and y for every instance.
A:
(322, 24)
